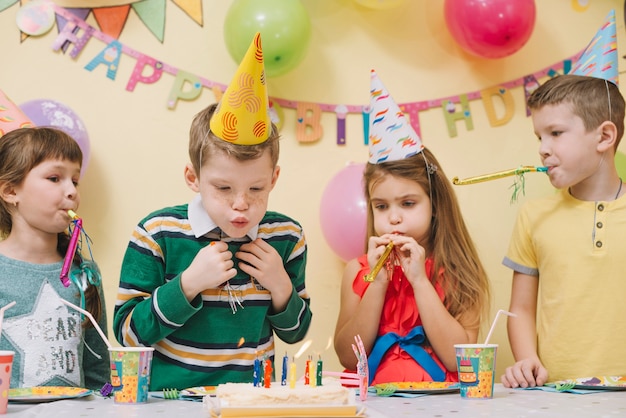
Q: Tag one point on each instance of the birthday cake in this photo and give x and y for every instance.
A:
(241, 396)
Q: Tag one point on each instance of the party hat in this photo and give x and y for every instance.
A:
(599, 59)
(11, 116)
(391, 136)
(242, 116)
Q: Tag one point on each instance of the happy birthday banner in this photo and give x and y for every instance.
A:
(188, 87)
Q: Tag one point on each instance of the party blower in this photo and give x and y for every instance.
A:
(71, 249)
(518, 184)
(379, 264)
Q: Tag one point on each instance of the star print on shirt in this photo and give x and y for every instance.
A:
(47, 339)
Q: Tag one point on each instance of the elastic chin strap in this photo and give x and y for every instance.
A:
(431, 169)
(608, 96)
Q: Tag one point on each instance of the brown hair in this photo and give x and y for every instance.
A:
(23, 149)
(203, 143)
(450, 245)
(594, 100)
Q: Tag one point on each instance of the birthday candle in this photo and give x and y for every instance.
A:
(312, 373)
(283, 380)
(319, 371)
(257, 372)
(267, 377)
(307, 369)
(292, 374)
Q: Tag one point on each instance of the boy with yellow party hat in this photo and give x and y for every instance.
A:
(209, 283)
(567, 249)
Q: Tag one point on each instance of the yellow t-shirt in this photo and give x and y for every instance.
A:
(578, 251)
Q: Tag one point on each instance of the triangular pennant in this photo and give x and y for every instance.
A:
(5, 4)
(193, 9)
(112, 19)
(152, 14)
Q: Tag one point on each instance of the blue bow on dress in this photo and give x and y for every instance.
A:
(411, 343)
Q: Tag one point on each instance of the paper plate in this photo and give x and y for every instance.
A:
(598, 382)
(38, 394)
(418, 387)
(199, 391)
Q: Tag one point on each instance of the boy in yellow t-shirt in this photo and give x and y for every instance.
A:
(567, 251)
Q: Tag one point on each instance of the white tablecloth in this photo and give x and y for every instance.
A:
(506, 403)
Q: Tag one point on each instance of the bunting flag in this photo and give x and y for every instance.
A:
(111, 15)
(75, 33)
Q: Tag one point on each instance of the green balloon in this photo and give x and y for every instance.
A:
(285, 32)
(620, 164)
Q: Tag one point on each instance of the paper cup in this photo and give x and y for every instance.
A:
(476, 365)
(130, 373)
(6, 365)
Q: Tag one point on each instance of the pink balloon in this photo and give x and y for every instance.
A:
(343, 212)
(490, 28)
(57, 115)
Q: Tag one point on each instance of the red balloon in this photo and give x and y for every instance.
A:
(343, 212)
(490, 28)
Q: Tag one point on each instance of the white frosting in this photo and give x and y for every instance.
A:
(246, 395)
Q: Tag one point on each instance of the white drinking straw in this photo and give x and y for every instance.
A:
(495, 320)
(93, 321)
(4, 308)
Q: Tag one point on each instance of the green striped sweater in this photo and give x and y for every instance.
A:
(204, 343)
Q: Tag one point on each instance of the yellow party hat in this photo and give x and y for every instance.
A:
(242, 116)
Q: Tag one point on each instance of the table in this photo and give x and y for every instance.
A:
(506, 402)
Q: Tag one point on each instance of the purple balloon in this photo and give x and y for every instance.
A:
(343, 212)
(490, 28)
(51, 113)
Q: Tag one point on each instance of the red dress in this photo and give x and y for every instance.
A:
(400, 315)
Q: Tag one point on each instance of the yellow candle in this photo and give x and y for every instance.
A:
(312, 373)
(292, 374)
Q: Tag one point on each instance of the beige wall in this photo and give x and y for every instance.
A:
(138, 146)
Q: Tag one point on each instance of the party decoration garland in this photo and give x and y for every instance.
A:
(111, 15)
(76, 33)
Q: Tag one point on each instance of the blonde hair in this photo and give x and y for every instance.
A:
(465, 284)
(594, 100)
(203, 143)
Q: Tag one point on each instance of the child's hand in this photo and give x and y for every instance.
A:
(375, 249)
(262, 262)
(211, 267)
(411, 256)
(525, 373)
